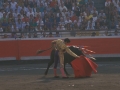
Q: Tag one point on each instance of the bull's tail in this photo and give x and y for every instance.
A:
(41, 51)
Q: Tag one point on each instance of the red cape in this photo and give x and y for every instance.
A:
(83, 67)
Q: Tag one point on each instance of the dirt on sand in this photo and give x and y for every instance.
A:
(107, 78)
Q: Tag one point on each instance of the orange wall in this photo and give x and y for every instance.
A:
(19, 48)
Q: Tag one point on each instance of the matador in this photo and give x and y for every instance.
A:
(60, 47)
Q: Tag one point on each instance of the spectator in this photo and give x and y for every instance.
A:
(90, 26)
(1, 13)
(29, 35)
(42, 8)
(90, 2)
(113, 25)
(74, 17)
(107, 3)
(54, 28)
(14, 28)
(26, 3)
(53, 3)
(70, 13)
(35, 35)
(61, 27)
(97, 24)
(106, 33)
(95, 18)
(18, 8)
(19, 25)
(26, 28)
(93, 34)
(88, 16)
(77, 11)
(4, 25)
(25, 18)
(118, 8)
(81, 17)
(50, 34)
(115, 2)
(62, 22)
(81, 5)
(90, 8)
(62, 6)
(102, 14)
(104, 27)
(13, 35)
(1, 29)
(13, 5)
(116, 33)
(30, 13)
(83, 24)
(22, 35)
(57, 34)
(1, 4)
(43, 35)
(55, 9)
(48, 24)
(94, 11)
(68, 23)
(55, 22)
(68, 4)
(46, 15)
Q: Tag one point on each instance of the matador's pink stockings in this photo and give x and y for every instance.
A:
(63, 73)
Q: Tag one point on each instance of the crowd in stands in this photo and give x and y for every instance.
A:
(54, 15)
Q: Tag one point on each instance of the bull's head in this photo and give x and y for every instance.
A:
(82, 50)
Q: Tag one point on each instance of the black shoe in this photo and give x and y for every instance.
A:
(56, 76)
(68, 74)
(65, 77)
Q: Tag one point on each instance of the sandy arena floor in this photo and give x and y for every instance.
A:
(30, 77)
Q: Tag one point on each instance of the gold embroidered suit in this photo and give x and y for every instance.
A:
(61, 47)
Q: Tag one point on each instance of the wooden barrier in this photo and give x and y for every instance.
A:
(28, 48)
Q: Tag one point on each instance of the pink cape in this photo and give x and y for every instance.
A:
(83, 67)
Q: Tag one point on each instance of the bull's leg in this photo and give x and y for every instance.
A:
(66, 70)
(49, 64)
(70, 64)
(51, 61)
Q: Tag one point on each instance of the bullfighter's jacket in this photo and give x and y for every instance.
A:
(61, 47)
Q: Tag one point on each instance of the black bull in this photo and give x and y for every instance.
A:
(67, 58)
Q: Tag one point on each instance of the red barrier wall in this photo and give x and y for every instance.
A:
(21, 48)
(9, 48)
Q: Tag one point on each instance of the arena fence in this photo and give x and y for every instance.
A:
(25, 49)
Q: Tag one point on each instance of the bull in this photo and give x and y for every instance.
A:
(67, 57)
